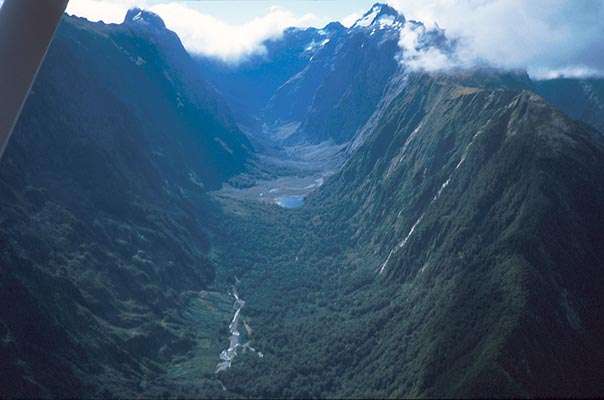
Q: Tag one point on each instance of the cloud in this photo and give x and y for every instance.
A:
(567, 72)
(204, 34)
(349, 20)
(201, 33)
(543, 36)
(102, 10)
(418, 54)
(546, 37)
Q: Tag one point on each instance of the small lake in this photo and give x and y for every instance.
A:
(290, 201)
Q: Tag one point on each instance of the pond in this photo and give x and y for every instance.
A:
(290, 201)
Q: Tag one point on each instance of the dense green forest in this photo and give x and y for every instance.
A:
(456, 253)
(461, 307)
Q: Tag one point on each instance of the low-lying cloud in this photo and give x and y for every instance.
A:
(102, 10)
(418, 54)
(549, 38)
(202, 33)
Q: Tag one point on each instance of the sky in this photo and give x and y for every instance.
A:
(549, 38)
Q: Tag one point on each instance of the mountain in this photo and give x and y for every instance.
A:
(215, 148)
(582, 99)
(341, 86)
(456, 254)
(327, 82)
(490, 202)
(249, 84)
(104, 217)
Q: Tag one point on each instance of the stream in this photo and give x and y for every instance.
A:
(229, 354)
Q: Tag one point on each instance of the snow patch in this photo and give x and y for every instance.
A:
(369, 18)
(386, 20)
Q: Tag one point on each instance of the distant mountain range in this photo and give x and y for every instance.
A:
(329, 81)
(582, 99)
(457, 252)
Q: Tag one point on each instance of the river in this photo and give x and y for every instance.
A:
(229, 354)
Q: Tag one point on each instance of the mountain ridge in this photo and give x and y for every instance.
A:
(104, 230)
(457, 252)
(494, 283)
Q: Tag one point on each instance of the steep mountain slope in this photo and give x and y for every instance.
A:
(490, 203)
(322, 84)
(582, 99)
(103, 225)
(340, 88)
(249, 84)
(457, 253)
(148, 58)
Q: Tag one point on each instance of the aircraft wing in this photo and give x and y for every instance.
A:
(26, 30)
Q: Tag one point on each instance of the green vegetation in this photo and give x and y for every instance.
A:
(495, 292)
(480, 204)
(104, 245)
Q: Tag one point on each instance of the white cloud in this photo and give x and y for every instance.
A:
(567, 72)
(416, 56)
(204, 34)
(349, 20)
(539, 35)
(201, 33)
(102, 10)
(547, 37)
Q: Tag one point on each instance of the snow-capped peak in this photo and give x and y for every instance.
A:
(380, 14)
(140, 16)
